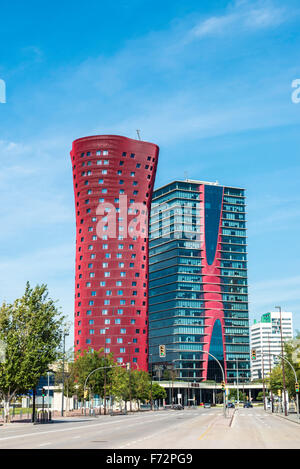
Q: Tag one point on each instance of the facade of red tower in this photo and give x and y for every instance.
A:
(113, 180)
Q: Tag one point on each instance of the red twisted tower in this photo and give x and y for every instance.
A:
(113, 180)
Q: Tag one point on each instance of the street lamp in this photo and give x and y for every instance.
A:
(104, 394)
(63, 374)
(296, 380)
(237, 382)
(282, 362)
(263, 376)
(130, 402)
(48, 376)
(270, 370)
(151, 372)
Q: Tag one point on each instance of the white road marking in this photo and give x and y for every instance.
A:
(68, 429)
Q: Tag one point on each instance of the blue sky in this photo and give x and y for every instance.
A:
(209, 82)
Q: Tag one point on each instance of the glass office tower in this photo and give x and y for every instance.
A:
(198, 294)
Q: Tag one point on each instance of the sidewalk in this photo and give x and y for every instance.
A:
(292, 417)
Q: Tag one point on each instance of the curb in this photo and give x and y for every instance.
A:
(232, 418)
(286, 418)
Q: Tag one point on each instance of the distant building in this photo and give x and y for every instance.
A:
(265, 338)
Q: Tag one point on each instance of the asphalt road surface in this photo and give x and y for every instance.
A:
(171, 429)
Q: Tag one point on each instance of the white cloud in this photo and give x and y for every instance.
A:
(279, 291)
(213, 25)
(243, 16)
(53, 266)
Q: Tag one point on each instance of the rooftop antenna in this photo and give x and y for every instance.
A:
(138, 134)
(185, 175)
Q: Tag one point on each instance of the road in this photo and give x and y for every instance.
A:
(187, 429)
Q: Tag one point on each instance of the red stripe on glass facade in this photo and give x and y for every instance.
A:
(212, 292)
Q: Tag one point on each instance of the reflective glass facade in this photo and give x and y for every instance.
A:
(198, 293)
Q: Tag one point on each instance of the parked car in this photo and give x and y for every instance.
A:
(247, 405)
(177, 407)
(145, 407)
(207, 405)
(230, 405)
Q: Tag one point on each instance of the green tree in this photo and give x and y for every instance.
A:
(31, 328)
(120, 385)
(140, 383)
(260, 396)
(85, 363)
(158, 392)
(233, 395)
(291, 353)
(70, 387)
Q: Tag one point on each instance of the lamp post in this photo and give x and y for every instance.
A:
(282, 362)
(151, 372)
(237, 382)
(222, 370)
(104, 393)
(48, 376)
(263, 376)
(130, 402)
(270, 369)
(188, 391)
(296, 380)
(63, 374)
